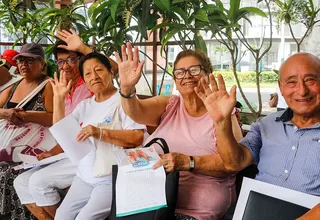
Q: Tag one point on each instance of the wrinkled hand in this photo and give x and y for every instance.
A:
(218, 102)
(74, 43)
(88, 131)
(173, 162)
(13, 116)
(44, 155)
(61, 87)
(130, 68)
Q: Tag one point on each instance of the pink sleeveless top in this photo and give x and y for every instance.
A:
(203, 197)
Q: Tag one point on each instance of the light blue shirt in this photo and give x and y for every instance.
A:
(286, 155)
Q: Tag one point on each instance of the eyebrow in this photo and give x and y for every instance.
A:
(307, 75)
(188, 67)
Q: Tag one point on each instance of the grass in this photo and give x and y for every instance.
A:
(253, 85)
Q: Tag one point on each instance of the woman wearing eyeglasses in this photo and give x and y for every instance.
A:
(38, 110)
(205, 190)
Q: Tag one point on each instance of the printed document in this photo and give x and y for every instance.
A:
(65, 132)
(139, 188)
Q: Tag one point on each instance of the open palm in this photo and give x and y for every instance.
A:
(218, 102)
(130, 68)
(74, 43)
(61, 87)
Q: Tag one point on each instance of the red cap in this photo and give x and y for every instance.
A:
(8, 56)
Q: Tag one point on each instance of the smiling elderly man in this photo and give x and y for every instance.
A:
(286, 144)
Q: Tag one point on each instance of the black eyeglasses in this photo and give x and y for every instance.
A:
(69, 60)
(29, 60)
(193, 71)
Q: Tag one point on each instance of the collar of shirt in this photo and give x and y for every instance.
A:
(79, 83)
(286, 116)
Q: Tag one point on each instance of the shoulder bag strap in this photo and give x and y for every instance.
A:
(32, 94)
(163, 144)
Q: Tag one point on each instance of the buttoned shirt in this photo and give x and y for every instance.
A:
(78, 93)
(286, 155)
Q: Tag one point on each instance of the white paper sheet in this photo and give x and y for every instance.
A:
(139, 188)
(65, 132)
(32, 161)
(278, 192)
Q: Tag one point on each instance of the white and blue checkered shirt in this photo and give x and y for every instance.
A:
(286, 155)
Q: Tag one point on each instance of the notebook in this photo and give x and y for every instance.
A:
(263, 207)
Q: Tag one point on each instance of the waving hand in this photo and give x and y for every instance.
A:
(60, 86)
(130, 68)
(218, 102)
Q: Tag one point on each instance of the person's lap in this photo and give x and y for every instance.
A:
(85, 201)
(39, 184)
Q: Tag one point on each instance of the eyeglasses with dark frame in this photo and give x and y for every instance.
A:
(193, 71)
(69, 60)
(29, 60)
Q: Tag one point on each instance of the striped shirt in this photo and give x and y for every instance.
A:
(286, 155)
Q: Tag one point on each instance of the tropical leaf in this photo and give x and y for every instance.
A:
(253, 10)
(201, 15)
(113, 8)
(234, 8)
(200, 44)
(164, 5)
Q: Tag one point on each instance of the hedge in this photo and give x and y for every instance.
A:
(266, 77)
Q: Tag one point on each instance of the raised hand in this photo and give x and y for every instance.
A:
(61, 87)
(74, 43)
(218, 102)
(130, 68)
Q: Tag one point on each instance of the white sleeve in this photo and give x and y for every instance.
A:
(128, 123)
(77, 111)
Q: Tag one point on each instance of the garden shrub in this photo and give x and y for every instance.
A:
(250, 76)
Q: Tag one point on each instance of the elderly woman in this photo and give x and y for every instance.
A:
(205, 190)
(31, 65)
(94, 200)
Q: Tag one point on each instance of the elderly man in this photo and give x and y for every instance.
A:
(285, 145)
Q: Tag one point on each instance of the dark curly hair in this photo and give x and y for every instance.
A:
(201, 56)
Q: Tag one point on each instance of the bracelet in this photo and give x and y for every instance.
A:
(100, 134)
(128, 96)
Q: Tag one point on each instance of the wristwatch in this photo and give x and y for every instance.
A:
(191, 164)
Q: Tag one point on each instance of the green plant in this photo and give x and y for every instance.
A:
(292, 12)
(227, 30)
(36, 23)
(248, 77)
